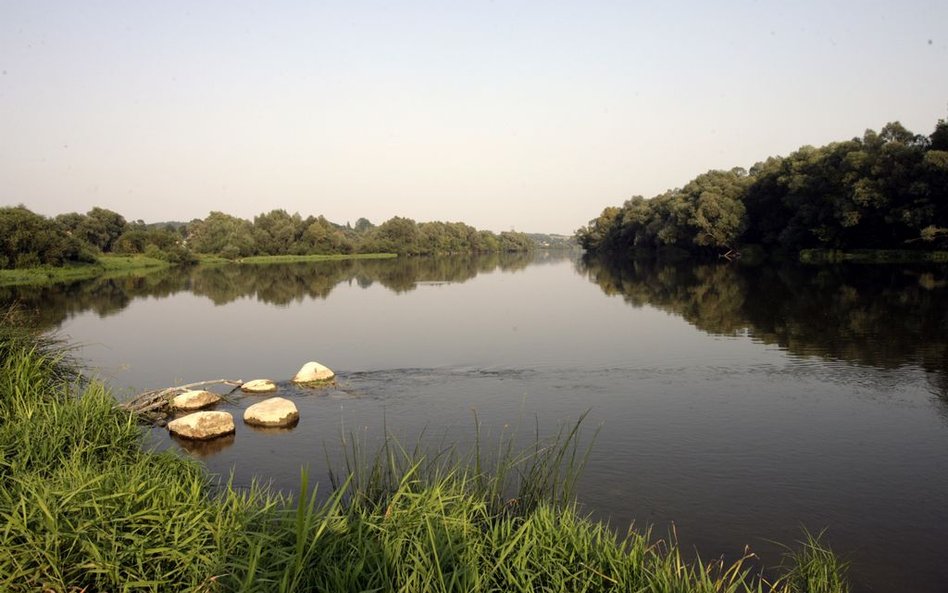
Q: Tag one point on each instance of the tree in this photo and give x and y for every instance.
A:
(511, 241)
(939, 138)
(321, 236)
(28, 239)
(100, 228)
(718, 207)
(596, 235)
(363, 225)
(276, 232)
(222, 234)
(397, 235)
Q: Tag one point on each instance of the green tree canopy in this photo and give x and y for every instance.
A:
(28, 239)
(885, 190)
(222, 234)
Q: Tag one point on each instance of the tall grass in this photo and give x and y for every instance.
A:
(84, 508)
(812, 567)
(508, 480)
(81, 504)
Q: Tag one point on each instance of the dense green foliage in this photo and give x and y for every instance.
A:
(84, 507)
(886, 190)
(279, 233)
(29, 240)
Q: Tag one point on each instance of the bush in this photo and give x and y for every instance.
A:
(230, 251)
(27, 260)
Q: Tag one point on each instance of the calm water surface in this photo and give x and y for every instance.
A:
(738, 403)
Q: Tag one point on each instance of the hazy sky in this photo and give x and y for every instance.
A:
(525, 115)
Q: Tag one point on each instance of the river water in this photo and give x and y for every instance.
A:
(735, 404)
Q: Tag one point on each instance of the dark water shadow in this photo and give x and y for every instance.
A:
(272, 430)
(884, 317)
(204, 449)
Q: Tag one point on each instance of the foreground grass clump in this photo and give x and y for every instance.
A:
(83, 507)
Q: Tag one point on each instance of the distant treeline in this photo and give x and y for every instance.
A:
(28, 239)
(886, 190)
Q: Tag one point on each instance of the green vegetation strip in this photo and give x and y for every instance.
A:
(84, 508)
(292, 259)
(29, 240)
(106, 265)
(130, 265)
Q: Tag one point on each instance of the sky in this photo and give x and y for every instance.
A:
(523, 115)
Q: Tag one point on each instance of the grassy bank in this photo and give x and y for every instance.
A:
(293, 259)
(126, 265)
(118, 265)
(84, 508)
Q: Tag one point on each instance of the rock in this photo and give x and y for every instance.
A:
(259, 386)
(275, 411)
(194, 400)
(313, 372)
(202, 425)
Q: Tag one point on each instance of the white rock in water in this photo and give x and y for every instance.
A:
(313, 372)
(259, 386)
(202, 425)
(275, 411)
(194, 400)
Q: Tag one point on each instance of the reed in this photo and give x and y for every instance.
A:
(510, 480)
(812, 566)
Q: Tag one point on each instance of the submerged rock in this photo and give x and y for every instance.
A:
(313, 372)
(259, 386)
(275, 411)
(194, 400)
(202, 425)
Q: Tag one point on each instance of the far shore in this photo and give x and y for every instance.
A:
(292, 259)
(137, 265)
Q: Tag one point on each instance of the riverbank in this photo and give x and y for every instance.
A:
(85, 507)
(131, 265)
(105, 265)
(872, 256)
(293, 259)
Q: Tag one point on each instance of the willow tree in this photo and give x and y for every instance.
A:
(716, 198)
(222, 234)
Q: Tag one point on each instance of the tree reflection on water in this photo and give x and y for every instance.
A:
(880, 316)
(276, 284)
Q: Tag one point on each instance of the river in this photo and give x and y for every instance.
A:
(735, 404)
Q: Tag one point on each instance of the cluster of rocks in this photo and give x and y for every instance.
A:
(271, 412)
